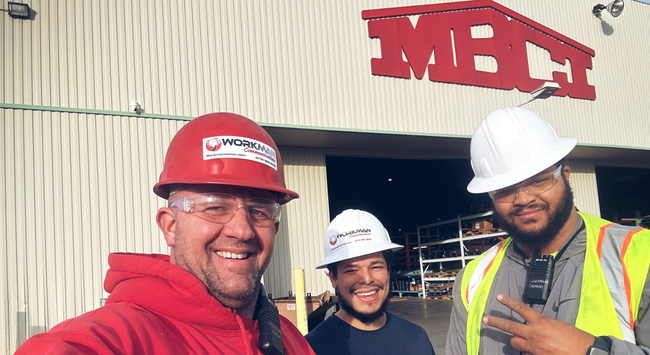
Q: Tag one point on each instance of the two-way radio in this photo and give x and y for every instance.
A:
(540, 272)
(268, 319)
(539, 278)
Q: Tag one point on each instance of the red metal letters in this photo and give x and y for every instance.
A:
(443, 28)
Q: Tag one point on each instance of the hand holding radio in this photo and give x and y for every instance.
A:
(540, 334)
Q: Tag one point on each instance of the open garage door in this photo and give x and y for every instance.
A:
(403, 193)
(624, 194)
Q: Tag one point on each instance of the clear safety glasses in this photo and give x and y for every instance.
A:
(221, 208)
(534, 186)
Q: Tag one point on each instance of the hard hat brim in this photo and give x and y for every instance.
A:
(563, 147)
(353, 253)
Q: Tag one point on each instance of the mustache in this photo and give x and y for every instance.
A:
(251, 246)
(532, 206)
(374, 284)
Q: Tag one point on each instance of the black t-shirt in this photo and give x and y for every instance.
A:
(397, 336)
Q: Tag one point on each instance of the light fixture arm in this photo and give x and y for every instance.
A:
(598, 9)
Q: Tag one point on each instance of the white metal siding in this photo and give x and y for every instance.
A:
(583, 184)
(299, 244)
(304, 63)
(75, 188)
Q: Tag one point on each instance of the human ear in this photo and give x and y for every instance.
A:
(332, 279)
(167, 223)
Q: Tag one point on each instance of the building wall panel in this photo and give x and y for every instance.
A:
(615, 41)
(585, 189)
(74, 191)
(305, 64)
(298, 244)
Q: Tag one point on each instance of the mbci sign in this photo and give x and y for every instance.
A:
(444, 32)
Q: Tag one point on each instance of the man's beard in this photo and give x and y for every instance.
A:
(223, 291)
(365, 318)
(543, 236)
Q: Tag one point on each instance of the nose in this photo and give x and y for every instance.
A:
(523, 198)
(240, 226)
(366, 277)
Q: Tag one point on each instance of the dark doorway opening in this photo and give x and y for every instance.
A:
(402, 193)
(623, 193)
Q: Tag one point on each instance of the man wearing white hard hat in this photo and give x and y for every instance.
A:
(564, 282)
(358, 255)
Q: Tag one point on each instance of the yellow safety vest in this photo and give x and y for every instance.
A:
(615, 270)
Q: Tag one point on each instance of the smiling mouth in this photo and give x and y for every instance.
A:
(229, 255)
(524, 213)
(365, 294)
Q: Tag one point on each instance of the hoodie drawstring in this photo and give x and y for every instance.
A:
(249, 351)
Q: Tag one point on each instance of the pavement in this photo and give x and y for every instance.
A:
(432, 315)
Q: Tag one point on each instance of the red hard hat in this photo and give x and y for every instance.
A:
(224, 149)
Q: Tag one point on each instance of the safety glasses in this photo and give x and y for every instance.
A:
(221, 208)
(534, 186)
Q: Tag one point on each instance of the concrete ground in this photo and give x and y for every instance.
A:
(432, 315)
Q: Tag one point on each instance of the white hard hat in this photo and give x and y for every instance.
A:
(354, 233)
(511, 145)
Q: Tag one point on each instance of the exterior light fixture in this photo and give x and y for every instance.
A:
(544, 92)
(615, 8)
(18, 10)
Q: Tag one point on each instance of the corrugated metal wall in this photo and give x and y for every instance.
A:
(583, 183)
(303, 63)
(298, 244)
(75, 188)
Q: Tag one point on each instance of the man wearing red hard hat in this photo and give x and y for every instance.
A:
(224, 182)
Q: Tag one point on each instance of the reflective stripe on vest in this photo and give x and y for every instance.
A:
(598, 314)
(482, 266)
(476, 287)
(617, 261)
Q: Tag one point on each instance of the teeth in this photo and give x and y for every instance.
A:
(367, 293)
(229, 255)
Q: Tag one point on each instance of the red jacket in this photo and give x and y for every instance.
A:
(157, 308)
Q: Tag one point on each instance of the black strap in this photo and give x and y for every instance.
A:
(566, 245)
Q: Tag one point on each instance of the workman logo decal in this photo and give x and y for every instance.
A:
(443, 40)
(239, 148)
(359, 235)
(213, 144)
